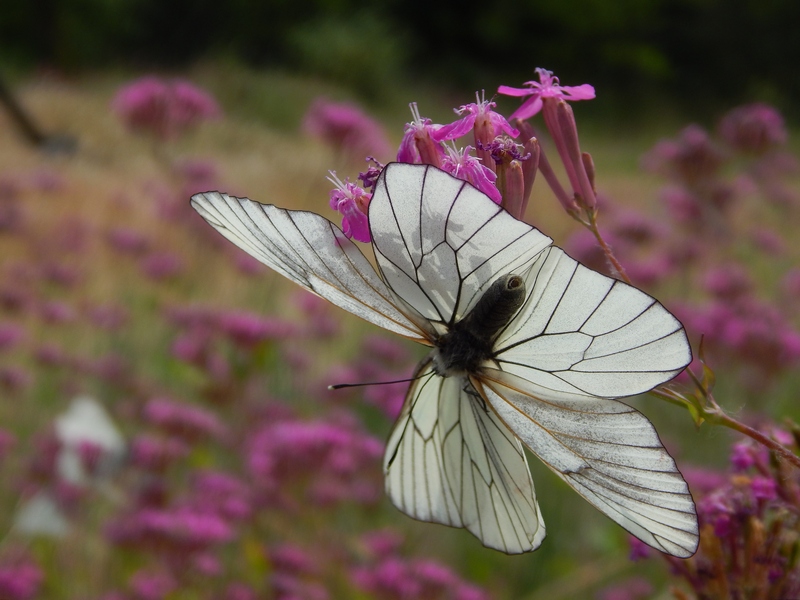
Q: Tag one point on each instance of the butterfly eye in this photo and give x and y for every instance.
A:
(514, 282)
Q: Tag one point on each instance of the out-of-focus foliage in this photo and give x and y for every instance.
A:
(697, 51)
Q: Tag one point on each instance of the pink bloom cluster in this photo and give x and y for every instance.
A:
(393, 578)
(749, 520)
(346, 127)
(191, 423)
(163, 108)
(332, 462)
(20, 579)
(500, 167)
(713, 182)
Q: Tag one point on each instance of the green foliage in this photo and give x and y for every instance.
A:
(363, 51)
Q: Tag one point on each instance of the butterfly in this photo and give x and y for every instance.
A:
(528, 347)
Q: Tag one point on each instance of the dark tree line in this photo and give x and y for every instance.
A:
(697, 51)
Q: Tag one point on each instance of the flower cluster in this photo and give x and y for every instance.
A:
(164, 109)
(502, 160)
(749, 522)
(346, 128)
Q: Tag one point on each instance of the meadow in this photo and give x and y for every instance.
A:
(227, 468)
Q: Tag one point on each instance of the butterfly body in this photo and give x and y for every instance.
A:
(469, 342)
(529, 347)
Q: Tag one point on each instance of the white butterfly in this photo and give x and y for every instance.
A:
(527, 344)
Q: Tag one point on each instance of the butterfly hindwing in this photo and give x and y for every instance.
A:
(451, 460)
(608, 452)
(311, 251)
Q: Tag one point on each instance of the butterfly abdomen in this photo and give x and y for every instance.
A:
(469, 342)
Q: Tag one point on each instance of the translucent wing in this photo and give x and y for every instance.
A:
(311, 251)
(580, 332)
(439, 242)
(608, 452)
(450, 460)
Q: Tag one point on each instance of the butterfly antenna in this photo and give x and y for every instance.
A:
(340, 386)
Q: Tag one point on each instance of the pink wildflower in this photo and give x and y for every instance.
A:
(159, 266)
(754, 128)
(548, 86)
(460, 164)
(336, 462)
(156, 454)
(638, 549)
(635, 588)
(11, 335)
(20, 580)
(345, 127)
(147, 585)
(180, 529)
(418, 145)
(182, 419)
(479, 115)
(353, 202)
(163, 108)
(128, 241)
(248, 329)
(763, 488)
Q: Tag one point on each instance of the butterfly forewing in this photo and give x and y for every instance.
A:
(585, 333)
(311, 251)
(442, 258)
(608, 452)
(451, 460)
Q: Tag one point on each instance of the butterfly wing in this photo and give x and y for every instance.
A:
(579, 339)
(451, 460)
(608, 452)
(440, 243)
(311, 251)
(584, 333)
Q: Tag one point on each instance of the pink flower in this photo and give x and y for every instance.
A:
(180, 529)
(128, 241)
(20, 581)
(742, 456)
(635, 588)
(335, 461)
(753, 128)
(248, 329)
(727, 282)
(152, 586)
(156, 454)
(418, 145)
(763, 488)
(638, 549)
(159, 266)
(182, 419)
(477, 112)
(346, 127)
(163, 108)
(460, 164)
(353, 202)
(547, 87)
(11, 335)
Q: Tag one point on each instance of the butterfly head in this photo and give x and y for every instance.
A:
(469, 343)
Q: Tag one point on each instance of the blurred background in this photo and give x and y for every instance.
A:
(165, 428)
